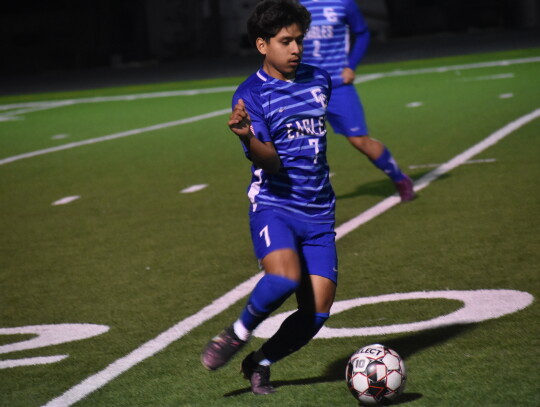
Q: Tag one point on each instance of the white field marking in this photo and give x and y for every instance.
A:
(40, 105)
(46, 335)
(487, 77)
(193, 188)
(478, 306)
(362, 78)
(423, 182)
(113, 136)
(59, 136)
(66, 200)
(414, 104)
(479, 161)
(150, 348)
(506, 95)
(443, 69)
(7, 118)
(32, 107)
(38, 360)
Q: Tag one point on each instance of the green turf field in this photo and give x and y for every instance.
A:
(131, 266)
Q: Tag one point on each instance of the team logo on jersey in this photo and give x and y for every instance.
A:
(330, 14)
(319, 97)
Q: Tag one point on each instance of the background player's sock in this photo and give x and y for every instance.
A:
(388, 165)
(296, 331)
(269, 293)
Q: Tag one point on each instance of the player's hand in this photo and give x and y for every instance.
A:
(348, 76)
(239, 121)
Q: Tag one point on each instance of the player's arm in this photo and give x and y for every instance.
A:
(359, 29)
(263, 155)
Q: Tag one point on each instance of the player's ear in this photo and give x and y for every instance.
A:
(260, 43)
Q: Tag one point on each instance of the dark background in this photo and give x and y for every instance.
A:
(54, 41)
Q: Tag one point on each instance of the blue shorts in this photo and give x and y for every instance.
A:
(345, 112)
(315, 243)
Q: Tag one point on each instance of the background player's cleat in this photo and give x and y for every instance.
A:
(221, 349)
(405, 188)
(258, 375)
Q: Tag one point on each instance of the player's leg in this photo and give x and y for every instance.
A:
(382, 158)
(314, 301)
(274, 242)
(281, 266)
(281, 279)
(346, 116)
(371, 148)
(315, 297)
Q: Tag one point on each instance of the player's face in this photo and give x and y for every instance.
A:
(283, 52)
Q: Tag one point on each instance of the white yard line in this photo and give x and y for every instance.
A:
(36, 106)
(119, 98)
(193, 188)
(66, 200)
(427, 179)
(479, 161)
(113, 136)
(443, 69)
(41, 105)
(160, 342)
(488, 77)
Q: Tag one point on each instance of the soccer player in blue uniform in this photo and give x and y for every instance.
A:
(327, 46)
(279, 116)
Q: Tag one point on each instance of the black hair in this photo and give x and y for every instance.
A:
(270, 16)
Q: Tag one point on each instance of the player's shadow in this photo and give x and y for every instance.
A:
(374, 188)
(382, 188)
(406, 346)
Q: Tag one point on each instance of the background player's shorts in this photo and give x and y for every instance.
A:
(315, 243)
(345, 112)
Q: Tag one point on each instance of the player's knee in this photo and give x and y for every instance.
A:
(284, 263)
(360, 142)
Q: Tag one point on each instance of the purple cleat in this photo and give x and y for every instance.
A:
(258, 375)
(221, 349)
(405, 188)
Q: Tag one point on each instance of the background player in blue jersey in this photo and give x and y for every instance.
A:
(327, 46)
(279, 116)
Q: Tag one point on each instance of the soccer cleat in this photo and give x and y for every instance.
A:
(258, 375)
(221, 349)
(405, 188)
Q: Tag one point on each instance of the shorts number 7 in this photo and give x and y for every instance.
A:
(264, 231)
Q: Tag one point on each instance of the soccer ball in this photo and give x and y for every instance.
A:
(375, 375)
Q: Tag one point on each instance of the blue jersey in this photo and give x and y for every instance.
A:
(327, 42)
(291, 115)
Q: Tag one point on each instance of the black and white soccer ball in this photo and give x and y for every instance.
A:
(375, 375)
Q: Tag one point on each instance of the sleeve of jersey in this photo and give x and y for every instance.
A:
(359, 29)
(254, 108)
